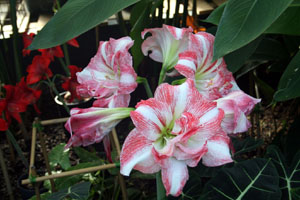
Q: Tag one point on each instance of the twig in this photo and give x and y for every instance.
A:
(54, 121)
(70, 173)
(44, 151)
(121, 178)
(32, 152)
(5, 176)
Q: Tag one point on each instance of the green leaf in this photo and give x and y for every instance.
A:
(289, 177)
(245, 145)
(140, 19)
(288, 87)
(65, 182)
(58, 155)
(79, 191)
(216, 15)
(236, 59)
(296, 193)
(75, 18)
(295, 3)
(243, 21)
(252, 179)
(84, 155)
(288, 23)
(270, 49)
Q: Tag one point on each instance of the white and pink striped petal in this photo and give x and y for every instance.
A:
(165, 44)
(136, 153)
(109, 74)
(90, 125)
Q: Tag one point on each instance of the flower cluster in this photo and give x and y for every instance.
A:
(181, 124)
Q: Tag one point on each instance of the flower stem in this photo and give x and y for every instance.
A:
(5, 176)
(160, 190)
(66, 53)
(162, 75)
(17, 147)
(146, 85)
(65, 67)
(52, 86)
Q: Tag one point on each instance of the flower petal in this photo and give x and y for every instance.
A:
(174, 176)
(136, 153)
(150, 117)
(218, 151)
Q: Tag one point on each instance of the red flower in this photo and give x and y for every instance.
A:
(28, 95)
(27, 40)
(51, 52)
(71, 83)
(16, 101)
(73, 42)
(38, 69)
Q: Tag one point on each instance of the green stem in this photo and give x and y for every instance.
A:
(17, 147)
(146, 85)
(162, 75)
(15, 39)
(160, 190)
(65, 67)
(52, 86)
(66, 53)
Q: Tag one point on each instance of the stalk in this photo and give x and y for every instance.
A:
(5, 176)
(146, 85)
(160, 190)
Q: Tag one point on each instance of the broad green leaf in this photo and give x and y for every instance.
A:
(58, 155)
(288, 23)
(289, 177)
(296, 193)
(249, 66)
(237, 58)
(295, 3)
(245, 145)
(75, 18)
(288, 87)
(244, 20)
(270, 49)
(251, 179)
(79, 191)
(84, 155)
(216, 15)
(204, 171)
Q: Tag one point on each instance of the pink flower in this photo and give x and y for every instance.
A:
(175, 129)
(214, 81)
(165, 44)
(91, 125)
(109, 76)
(236, 105)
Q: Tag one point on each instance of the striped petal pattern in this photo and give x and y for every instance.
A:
(90, 125)
(173, 131)
(109, 77)
(165, 44)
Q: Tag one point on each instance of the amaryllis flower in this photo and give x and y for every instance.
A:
(38, 70)
(73, 42)
(27, 95)
(16, 100)
(71, 83)
(175, 129)
(214, 81)
(165, 44)
(109, 76)
(27, 40)
(236, 105)
(91, 125)
(52, 52)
